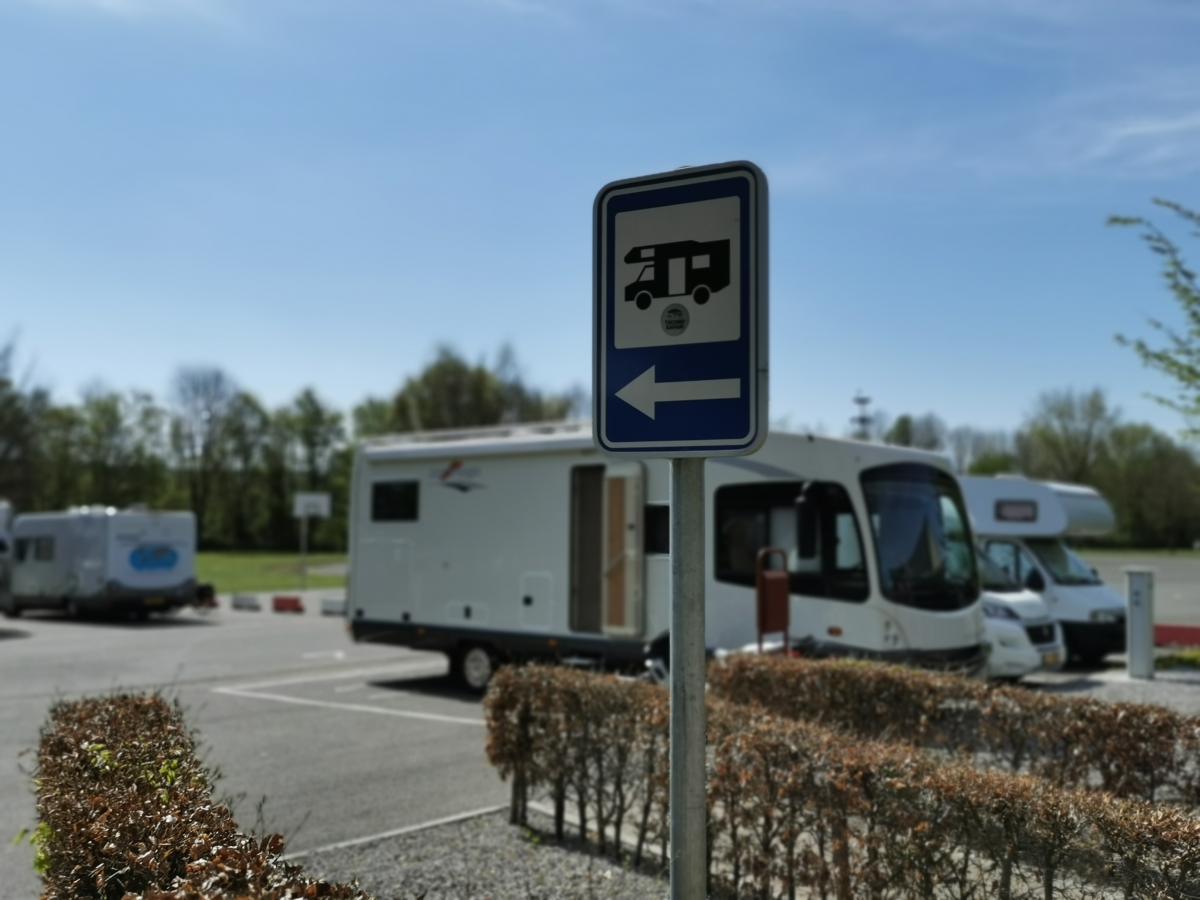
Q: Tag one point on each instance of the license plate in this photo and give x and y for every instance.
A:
(154, 601)
(1051, 659)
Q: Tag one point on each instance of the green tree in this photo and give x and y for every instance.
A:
(927, 432)
(452, 393)
(1062, 438)
(1178, 357)
(22, 409)
(1151, 482)
(373, 416)
(202, 397)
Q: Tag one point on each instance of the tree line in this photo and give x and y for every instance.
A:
(213, 447)
(1151, 479)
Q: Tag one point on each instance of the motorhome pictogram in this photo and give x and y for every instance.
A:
(698, 268)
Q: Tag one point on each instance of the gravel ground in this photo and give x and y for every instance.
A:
(483, 858)
(1177, 689)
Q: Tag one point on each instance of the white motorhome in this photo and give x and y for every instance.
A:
(1021, 524)
(99, 559)
(1021, 634)
(528, 542)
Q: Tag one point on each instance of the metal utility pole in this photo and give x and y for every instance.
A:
(689, 809)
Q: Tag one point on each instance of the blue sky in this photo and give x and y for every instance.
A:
(320, 191)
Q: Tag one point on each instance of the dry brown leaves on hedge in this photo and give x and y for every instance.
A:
(127, 813)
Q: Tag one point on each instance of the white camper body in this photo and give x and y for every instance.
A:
(528, 542)
(1021, 634)
(98, 559)
(6, 512)
(1021, 525)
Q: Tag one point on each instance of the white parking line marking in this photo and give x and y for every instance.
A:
(350, 707)
(396, 832)
(348, 687)
(425, 666)
(325, 654)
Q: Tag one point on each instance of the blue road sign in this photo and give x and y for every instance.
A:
(680, 313)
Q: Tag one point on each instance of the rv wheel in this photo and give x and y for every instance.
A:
(11, 612)
(475, 668)
(701, 295)
(643, 300)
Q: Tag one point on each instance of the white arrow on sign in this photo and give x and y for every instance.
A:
(643, 392)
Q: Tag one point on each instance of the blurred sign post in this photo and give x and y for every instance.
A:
(304, 506)
(680, 372)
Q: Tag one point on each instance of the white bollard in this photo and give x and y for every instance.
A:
(1139, 621)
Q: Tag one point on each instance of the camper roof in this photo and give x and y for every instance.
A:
(1015, 506)
(553, 437)
(540, 437)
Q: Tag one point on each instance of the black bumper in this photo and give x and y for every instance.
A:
(1094, 639)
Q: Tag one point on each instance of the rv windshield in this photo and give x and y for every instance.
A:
(922, 540)
(994, 578)
(1061, 562)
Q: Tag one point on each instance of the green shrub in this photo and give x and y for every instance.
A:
(126, 813)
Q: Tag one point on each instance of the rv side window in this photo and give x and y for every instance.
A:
(395, 501)
(657, 529)
(22, 549)
(43, 549)
(812, 522)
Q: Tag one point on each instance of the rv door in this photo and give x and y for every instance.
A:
(623, 570)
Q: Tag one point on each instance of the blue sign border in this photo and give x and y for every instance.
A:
(728, 427)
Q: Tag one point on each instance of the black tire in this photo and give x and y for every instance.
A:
(12, 612)
(643, 300)
(71, 608)
(701, 295)
(474, 667)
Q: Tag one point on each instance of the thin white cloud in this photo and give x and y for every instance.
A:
(218, 11)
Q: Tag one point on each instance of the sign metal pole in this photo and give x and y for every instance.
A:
(304, 552)
(689, 811)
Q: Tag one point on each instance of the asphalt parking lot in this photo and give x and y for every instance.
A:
(315, 737)
(1176, 582)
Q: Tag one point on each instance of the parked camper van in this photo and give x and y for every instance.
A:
(527, 542)
(99, 559)
(1022, 636)
(5, 551)
(1021, 525)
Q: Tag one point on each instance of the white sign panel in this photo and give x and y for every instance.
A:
(312, 506)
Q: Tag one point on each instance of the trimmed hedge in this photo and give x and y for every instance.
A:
(126, 813)
(795, 806)
(1127, 749)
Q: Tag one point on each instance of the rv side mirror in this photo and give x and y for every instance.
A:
(1035, 582)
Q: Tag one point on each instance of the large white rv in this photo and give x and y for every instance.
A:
(99, 559)
(528, 542)
(1022, 525)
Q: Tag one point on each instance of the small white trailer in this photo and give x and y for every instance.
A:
(99, 559)
(526, 542)
(1022, 525)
